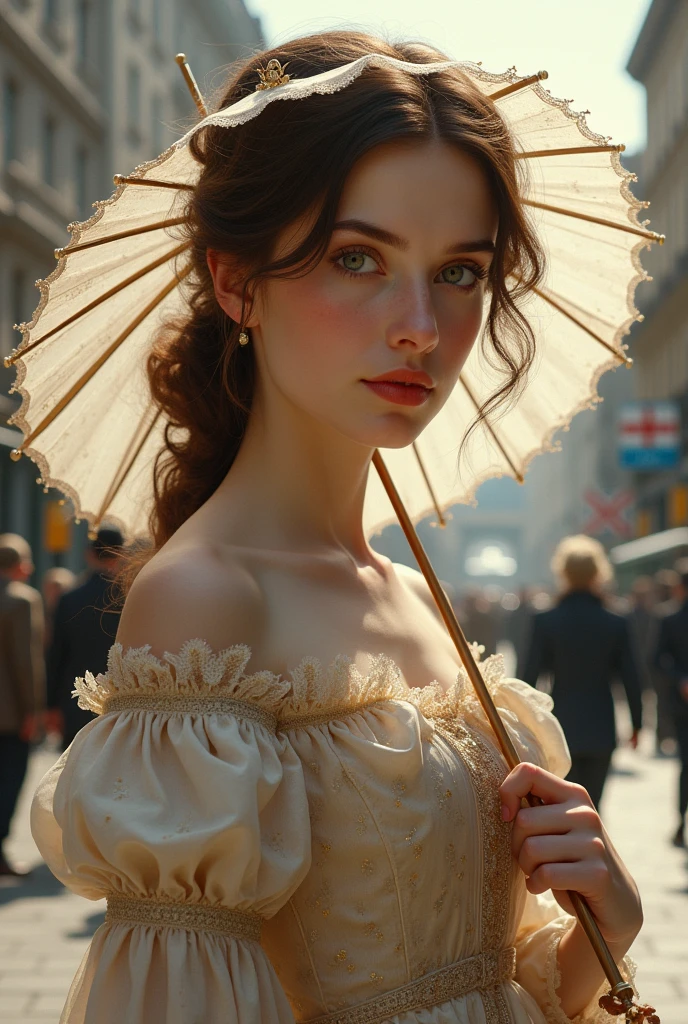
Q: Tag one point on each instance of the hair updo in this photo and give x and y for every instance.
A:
(260, 177)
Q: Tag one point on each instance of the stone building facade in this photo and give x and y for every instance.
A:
(660, 345)
(89, 88)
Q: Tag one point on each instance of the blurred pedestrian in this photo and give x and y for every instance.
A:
(22, 676)
(672, 661)
(585, 647)
(667, 583)
(84, 628)
(54, 584)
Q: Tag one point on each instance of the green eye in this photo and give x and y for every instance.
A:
(353, 260)
(458, 275)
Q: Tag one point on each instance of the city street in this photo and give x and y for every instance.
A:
(44, 930)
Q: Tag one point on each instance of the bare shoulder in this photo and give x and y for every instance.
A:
(415, 581)
(195, 592)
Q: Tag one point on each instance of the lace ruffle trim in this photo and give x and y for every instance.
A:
(311, 691)
(195, 671)
(593, 1013)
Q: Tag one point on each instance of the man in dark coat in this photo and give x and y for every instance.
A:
(22, 676)
(672, 660)
(84, 628)
(585, 647)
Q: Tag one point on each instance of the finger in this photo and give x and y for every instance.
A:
(528, 778)
(539, 850)
(553, 819)
(588, 877)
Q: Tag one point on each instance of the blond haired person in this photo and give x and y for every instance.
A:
(585, 647)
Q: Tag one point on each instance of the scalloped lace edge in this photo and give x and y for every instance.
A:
(593, 1012)
(311, 688)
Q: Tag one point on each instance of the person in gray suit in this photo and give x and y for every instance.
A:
(22, 676)
(585, 648)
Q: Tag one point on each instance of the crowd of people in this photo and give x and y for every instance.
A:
(581, 642)
(47, 639)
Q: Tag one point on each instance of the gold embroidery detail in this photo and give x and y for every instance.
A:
(168, 703)
(398, 788)
(119, 790)
(367, 866)
(476, 973)
(327, 715)
(362, 825)
(198, 917)
(487, 772)
(417, 850)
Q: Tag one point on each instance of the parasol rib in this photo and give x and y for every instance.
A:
(493, 433)
(630, 228)
(570, 151)
(157, 226)
(509, 90)
(124, 468)
(123, 179)
(440, 515)
(621, 356)
(96, 302)
(620, 988)
(191, 83)
(103, 358)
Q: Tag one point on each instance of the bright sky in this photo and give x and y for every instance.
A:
(583, 45)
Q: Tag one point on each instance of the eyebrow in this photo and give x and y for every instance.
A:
(397, 242)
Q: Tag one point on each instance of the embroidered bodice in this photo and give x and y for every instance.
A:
(326, 847)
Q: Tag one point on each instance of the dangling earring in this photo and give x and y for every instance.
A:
(244, 338)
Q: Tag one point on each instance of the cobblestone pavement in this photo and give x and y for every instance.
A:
(44, 930)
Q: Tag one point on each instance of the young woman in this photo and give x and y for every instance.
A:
(328, 833)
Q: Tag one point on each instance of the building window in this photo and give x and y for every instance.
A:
(19, 296)
(49, 135)
(83, 12)
(158, 132)
(81, 181)
(10, 120)
(134, 102)
(157, 21)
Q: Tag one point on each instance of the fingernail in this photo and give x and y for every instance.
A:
(506, 813)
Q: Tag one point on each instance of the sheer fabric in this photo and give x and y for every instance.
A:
(323, 848)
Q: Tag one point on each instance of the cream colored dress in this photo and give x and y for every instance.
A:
(324, 848)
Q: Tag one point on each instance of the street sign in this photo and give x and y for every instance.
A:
(607, 512)
(649, 435)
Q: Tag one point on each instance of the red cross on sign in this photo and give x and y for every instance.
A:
(607, 512)
(649, 428)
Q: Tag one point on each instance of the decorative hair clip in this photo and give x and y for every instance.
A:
(272, 75)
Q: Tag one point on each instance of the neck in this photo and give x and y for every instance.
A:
(296, 484)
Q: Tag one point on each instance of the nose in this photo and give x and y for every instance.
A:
(413, 323)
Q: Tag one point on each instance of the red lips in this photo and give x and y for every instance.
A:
(402, 387)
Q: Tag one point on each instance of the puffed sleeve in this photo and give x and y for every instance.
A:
(540, 931)
(182, 807)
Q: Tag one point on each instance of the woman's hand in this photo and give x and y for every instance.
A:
(563, 845)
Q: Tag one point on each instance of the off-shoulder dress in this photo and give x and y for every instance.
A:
(321, 848)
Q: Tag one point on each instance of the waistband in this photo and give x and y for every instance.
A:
(483, 971)
(197, 917)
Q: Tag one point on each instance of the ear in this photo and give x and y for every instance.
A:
(227, 285)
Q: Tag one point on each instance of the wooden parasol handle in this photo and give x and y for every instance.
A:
(621, 990)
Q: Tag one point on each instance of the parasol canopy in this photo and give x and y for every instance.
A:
(87, 415)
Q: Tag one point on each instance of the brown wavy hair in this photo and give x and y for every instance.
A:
(260, 177)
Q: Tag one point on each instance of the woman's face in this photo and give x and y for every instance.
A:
(399, 294)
